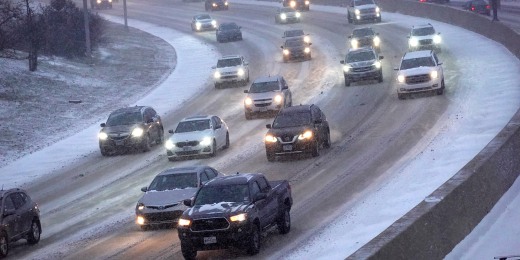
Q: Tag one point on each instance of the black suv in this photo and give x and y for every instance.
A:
(294, 48)
(228, 32)
(362, 64)
(365, 36)
(297, 130)
(303, 5)
(131, 127)
(19, 219)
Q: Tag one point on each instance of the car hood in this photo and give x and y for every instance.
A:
(416, 71)
(222, 209)
(263, 95)
(205, 21)
(229, 69)
(167, 197)
(288, 131)
(119, 129)
(362, 7)
(296, 48)
(426, 37)
(191, 136)
(361, 63)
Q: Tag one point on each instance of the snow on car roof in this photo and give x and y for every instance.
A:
(230, 57)
(185, 169)
(197, 117)
(417, 54)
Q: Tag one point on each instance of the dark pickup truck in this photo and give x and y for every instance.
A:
(233, 211)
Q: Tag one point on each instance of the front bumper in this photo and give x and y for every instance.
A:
(236, 235)
(367, 16)
(121, 143)
(227, 37)
(294, 146)
(263, 106)
(157, 217)
(364, 75)
(205, 27)
(187, 151)
(231, 77)
(293, 55)
(419, 87)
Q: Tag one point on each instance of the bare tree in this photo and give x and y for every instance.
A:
(10, 14)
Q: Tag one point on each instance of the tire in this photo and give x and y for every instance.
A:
(270, 157)
(316, 149)
(188, 252)
(379, 19)
(441, 90)
(213, 149)
(33, 237)
(160, 138)
(347, 82)
(146, 144)
(226, 146)
(327, 142)
(253, 243)
(284, 222)
(401, 96)
(4, 244)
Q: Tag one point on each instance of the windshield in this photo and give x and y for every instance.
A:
(217, 194)
(202, 17)
(293, 33)
(260, 87)
(417, 62)
(292, 119)
(174, 181)
(286, 10)
(229, 62)
(228, 26)
(124, 119)
(363, 32)
(423, 31)
(294, 43)
(360, 56)
(364, 2)
(192, 125)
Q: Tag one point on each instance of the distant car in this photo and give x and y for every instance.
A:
(478, 6)
(363, 10)
(365, 36)
(297, 130)
(230, 69)
(19, 219)
(420, 71)
(162, 202)
(203, 22)
(196, 136)
(303, 5)
(424, 37)
(362, 64)
(101, 4)
(287, 15)
(130, 128)
(296, 48)
(267, 94)
(228, 32)
(211, 5)
(296, 33)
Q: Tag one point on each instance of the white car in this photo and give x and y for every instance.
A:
(230, 69)
(197, 135)
(203, 22)
(424, 37)
(420, 71)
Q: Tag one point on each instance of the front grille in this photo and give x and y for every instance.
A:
(189, 143)
(162, 216)
(416, 79)
(364, 42)
(194, 152)
(368, 11)
(426, 42)
(287, 138)
(209, 224)
(263, 105)
(229, 77)
(361, 69)
(162, 207)
(119, 137)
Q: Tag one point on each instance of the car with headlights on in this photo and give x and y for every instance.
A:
(19, 219)
(130, 128)
(267, 95)
(478, 6)
(197, 136)
(212, 5)
(287, 15)
(296, 33)
(228, 32)
(363, 10)
(296, 48)
(162, 202)
(303, 5)
(203, 22)
(424, 37)
(362, 64)
(297, 130)
(234, 211)
(101, 4)
(231, 69)
(420, 71)
(365, 36)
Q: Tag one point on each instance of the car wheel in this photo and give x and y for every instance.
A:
(284, 222)
(380, 79)
(347, 81)
(253, 246)
(146, 143)
(188, 252)
(401, 96)
(227, 141)
(327, 141)
(34, 233)
(160, 138)
(316, 149)
(214, 149)
(4, 244)
(270, 157)
(248, 116)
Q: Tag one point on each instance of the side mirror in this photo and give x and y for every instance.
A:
(187, 202)
(246, 91)
(144, 189)
(281, 47)
(239, 27)
(268, 126)
(377, 33)
(103, 125)
(342, 61)
(170, 131)
(260, 196)
(285, 87)
(318, 121)
(408, 36)
(310, 43)
(218, 126)
(381, 57)
(350, 36)
(246, 63)
(440, 63)
(396, 68)
(439, 33)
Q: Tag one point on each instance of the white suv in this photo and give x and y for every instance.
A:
(424, 37)
(420, 71)
(197, 135)
(229, 69)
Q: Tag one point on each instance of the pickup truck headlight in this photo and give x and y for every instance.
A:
(434, 74)
(241, 72)
(306, 135)
(102, 136)
(205, 141)
(286, 52)
(184, 222)
(377, 41)
(283, 16)
(270, 138)
(400, 78)
(216, 75)
(377, 9)
(140, 206)
(346, 68)
(248, 101)
(357, 12)
(137, 132)
(307, 2)
(169, 145)
(238, 218)
(437, 39)
(140, 220)
(278, 99)
(298, 14)
(377, 64)
(354, 43)
(413, 42)
(307, 50)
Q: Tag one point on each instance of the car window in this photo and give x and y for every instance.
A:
(255, 189)
(192, 125)
(264, 186)
(423, 31)
(261, 87)
(316, 113)
(9, 205)
(17, 200)
(174, 181)
(294, 33)
(211, 173)
(291, 119)
(229, 62)
(218, 194)
(360, 56)
(363, 32)
(417, 62)
(124, 119)
(203, 177)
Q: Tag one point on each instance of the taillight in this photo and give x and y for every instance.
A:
(487, 6)
(472, 8)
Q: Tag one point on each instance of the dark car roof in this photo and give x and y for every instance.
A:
(296, 109)
(362, 49)
(3, 192)
(183, 169)
(242, 178)
(129, 109)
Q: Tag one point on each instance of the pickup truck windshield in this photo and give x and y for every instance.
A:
(417, 62)
(217, 194)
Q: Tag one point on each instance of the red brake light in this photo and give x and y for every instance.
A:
(472, 8)
(487, 6)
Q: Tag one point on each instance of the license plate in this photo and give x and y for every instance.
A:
(186, 148)
(287, 147)
(263, 109)
(120, 142)
(210, 240)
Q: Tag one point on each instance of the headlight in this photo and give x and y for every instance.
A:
(197, 25)
(183, 222)
(214, 5)
(205, 141)
(400, 78)
(286, 52)
(270, 138)
(378, 10)
(278, 99)
(413, 42)
(306, 135)
(306, 38)
(98, 1)
(434, 74)
(298, 14)
(354, 43)
(357, 12)
(214, 23)
(307, 2)
(241, 72)
(248, 101)
(346, 68)
(140, 206)
(283, 16)
(307, 50)
(377, 41)
(238, 218)
(139, 220)
(225, 3)
(437, 39)
(377, 64)
(110, 1)
(102, 136)
(169, 145)
(292, 4)
(137, 132)
(216, 75)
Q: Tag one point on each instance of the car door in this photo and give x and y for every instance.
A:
(261, 205)
(12, 220)
(219, 131)
(316, 117)
(271, 206)
(23, 209)
(285, 90)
